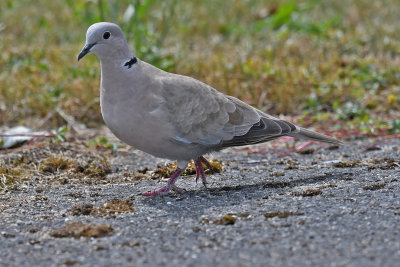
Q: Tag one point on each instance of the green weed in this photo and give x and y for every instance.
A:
(103, 142)
(394, 126)
(59, 134)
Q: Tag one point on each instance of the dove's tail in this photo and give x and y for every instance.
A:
(311, 135)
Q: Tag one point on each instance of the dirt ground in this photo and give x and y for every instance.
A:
(70, 204)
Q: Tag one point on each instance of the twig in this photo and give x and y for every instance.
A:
(302, 146)
(73, 124)
(29, 135)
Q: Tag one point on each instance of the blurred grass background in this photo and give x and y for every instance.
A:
(325, 59)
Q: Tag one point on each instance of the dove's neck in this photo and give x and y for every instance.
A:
(114, 63)
(115, 72)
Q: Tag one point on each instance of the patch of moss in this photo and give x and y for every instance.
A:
(374, 186)
(277, 174)
(97, 168)
(164, 171)
(333, 147)
(377, 163)
(22, 159)
(54, 164)
(111, 207)
(383, 164)
(217, 166)
(306, 151)
(60, 163)
(78, 229)
(116, 206)
(347, 164)
(9, 176)
(292, 167)
(346, 178)
(82, 209)
(281, 214)
(243, 214)
(276, 185)
(167, 170)
(308, 193)
(225, 220)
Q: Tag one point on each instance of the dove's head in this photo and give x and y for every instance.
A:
(105, 40)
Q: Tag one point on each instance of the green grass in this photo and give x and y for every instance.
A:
(289, 57)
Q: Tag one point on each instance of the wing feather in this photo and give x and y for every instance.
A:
(200, 114)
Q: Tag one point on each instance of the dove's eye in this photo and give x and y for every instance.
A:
(106, 35)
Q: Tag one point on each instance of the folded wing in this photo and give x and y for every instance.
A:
(200, 114)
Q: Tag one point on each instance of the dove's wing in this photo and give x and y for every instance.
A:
(200, 114)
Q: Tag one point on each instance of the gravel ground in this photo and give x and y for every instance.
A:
(330, 207)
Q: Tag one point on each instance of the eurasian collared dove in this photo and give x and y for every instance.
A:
(173, 116)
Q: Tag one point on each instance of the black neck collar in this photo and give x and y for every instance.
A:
(131, 62)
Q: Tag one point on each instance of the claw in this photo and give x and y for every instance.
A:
(199, 163)
(168, 187)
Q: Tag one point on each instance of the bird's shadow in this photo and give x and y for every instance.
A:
(194, 202)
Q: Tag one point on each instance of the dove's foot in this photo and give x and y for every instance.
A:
(168, 187)
(200, 169)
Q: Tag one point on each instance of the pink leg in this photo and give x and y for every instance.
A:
(203, 160)
(198, 166)
(168, 187)
(200, 169)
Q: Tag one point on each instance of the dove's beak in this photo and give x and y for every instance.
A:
(85, 50)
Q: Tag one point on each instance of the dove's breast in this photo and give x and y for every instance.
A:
(134, 113)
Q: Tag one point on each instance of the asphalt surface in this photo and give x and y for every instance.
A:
(331, 207)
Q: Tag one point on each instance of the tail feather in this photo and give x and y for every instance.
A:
(311, 135)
